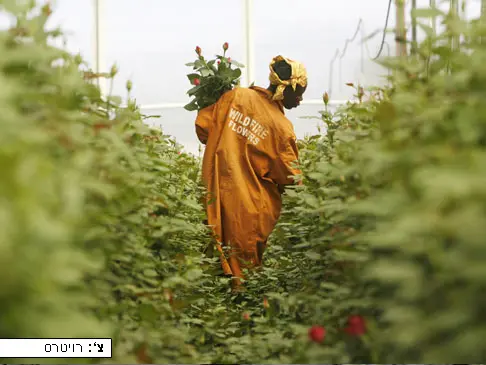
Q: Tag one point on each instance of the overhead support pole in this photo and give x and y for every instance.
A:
(400, 31)
(248, 42)
(432, 5)
(414, 27)
(99, 43)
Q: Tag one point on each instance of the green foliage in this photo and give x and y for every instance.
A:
(403, 171)
(101, 228)
(388, 222)
(94, 205)
(427, 212)
(214, 78)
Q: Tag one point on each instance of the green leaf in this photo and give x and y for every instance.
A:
(191, 106)
(205, 72)
(148, 312)
(194, 274)
(428, 30)
(313, 255)
(191, 77)
(236, 73)
(427, 12)
(115, 99)
(237, 64)
(194, 90)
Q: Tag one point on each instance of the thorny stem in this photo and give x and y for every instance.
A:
(109, 96)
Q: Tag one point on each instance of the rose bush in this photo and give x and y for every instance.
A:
(378, 256)
(99, 214)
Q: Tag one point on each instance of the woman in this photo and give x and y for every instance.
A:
(249, 158)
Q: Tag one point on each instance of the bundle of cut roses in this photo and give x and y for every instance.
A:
(211, 78)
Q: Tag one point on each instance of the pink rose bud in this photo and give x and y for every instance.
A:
(225, 46)
(46, 10)
(198, 50)
(229, 59)
(325, 98)
(197, 82)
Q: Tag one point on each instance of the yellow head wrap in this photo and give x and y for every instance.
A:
(298, 77)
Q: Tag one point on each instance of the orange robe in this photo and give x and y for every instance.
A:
(250, 150)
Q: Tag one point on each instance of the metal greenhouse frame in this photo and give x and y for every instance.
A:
(249, 53)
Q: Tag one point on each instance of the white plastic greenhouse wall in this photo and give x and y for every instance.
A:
(151, 40)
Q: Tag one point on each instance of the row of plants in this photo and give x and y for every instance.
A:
(377, 257)
(391, 212)
(99, 214)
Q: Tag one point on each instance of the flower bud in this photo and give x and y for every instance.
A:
(360, 93)
(356, 326)
(225, 46)
(198, 50)
(197, 82)
(317, 334)
(229, 59)
(266, 305)
(168, 296)
(246, 316)
(78, 59)
(325, 98)
(46, 9)
(113, 71)
(129, 85)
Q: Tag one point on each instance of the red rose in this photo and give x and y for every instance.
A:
(266, 305)
(142, 356)
(225, 46)
(168, 296)
(198, 50)
(99, 126)
(197, 82)
(356, 326)
(317, 334)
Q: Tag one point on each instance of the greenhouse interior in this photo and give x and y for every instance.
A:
(242, 182)
(151, 42)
